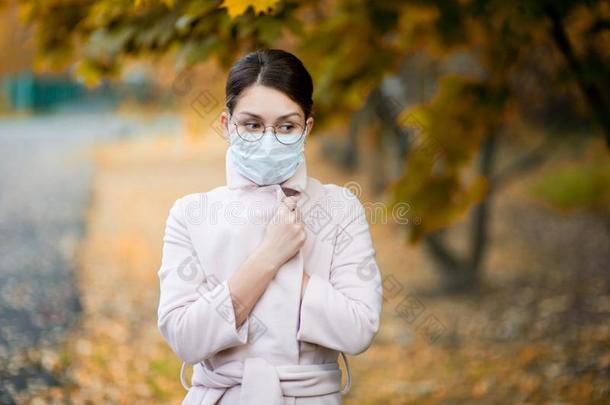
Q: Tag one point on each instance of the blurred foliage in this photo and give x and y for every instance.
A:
(349, 47)
(447, 137)
(237, 7)
(582, 186)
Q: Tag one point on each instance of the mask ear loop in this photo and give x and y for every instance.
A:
(182, 378)
(305, 134)
(227, 138)
(348, 381)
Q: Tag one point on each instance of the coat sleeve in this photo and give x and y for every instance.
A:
(343, 312)
(196, 315)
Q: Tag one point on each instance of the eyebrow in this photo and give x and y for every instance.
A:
(279, 118)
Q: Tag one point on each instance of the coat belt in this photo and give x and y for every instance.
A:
(264, 383)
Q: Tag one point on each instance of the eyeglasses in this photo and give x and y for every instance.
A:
(252, 130)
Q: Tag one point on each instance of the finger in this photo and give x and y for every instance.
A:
(282, 214)
(290, 202)
(290, 198)
(297, 214)
(292, 217)
(281, 209)
(285, 205)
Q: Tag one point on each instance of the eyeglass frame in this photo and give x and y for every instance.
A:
(265, 130)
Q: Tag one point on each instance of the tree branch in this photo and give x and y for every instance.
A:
(592, 94)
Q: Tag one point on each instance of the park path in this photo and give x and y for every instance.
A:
(46, 177)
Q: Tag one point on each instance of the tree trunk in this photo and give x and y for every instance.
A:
(464, 274)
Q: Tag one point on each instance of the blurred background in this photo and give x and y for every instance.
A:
(476, 133)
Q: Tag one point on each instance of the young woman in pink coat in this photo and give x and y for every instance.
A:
(266, 280)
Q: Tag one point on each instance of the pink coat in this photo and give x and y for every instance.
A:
(287, 351)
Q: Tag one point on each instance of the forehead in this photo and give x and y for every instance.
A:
(266, 102)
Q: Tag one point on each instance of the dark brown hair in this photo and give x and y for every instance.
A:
(273, 68)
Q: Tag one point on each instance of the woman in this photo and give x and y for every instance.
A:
(266, 280)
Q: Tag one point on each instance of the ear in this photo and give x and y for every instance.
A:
(224, 123)
(309, 124)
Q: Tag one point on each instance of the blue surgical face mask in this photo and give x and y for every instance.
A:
(266, 161)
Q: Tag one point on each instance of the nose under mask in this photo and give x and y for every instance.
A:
(266, 161)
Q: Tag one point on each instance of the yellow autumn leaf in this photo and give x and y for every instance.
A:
(87, 73)
(237, 7)
(168, 3)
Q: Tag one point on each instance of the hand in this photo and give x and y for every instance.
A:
(285, 234)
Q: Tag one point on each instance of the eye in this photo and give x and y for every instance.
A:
(286, 128)
(252, 125)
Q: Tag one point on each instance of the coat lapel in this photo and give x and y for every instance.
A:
(283, 294)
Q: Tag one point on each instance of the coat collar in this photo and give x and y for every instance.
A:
(235, 180)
